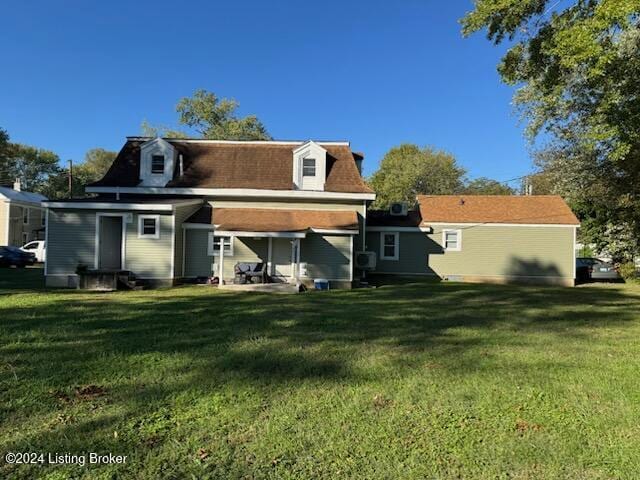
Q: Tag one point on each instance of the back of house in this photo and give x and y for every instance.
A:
(478, 238)
(174, 209)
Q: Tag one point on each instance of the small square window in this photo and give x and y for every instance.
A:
(309, 167)
(157, 164)
(214, 246)
(148, 226)
(451, 240)
(389, 246)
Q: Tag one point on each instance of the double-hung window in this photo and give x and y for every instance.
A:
(309, 167)
(149, 226)
(452, 240)
(157, 164)
(389, 245)
(214, 245)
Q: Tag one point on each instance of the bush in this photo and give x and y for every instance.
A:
(628, 271)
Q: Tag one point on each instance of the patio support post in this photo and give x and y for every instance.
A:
(221, 263)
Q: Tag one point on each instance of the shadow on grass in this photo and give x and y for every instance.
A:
(202, 338)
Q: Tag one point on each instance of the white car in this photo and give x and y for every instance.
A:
(37, 247)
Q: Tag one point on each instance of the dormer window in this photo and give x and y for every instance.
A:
(309, 167)
(157, 164)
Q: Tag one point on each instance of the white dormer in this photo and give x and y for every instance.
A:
(157, 163)
(309, 167)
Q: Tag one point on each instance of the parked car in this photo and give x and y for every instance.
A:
(14, 257)
(37, 247)
(589, 269)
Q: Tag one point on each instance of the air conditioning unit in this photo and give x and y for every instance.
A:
(365, 260)
(399, 209)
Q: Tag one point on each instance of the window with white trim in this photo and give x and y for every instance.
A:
(452, 240)
(213, 249)
(157, 164)
(389, 245)
(308, 167)
(25, 215)
(149, 226)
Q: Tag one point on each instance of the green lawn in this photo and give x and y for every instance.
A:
(406, 381)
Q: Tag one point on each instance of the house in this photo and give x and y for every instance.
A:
(478, 239)
(174, 209)
(22, 217)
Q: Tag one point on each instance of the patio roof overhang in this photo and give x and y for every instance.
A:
(274, 222)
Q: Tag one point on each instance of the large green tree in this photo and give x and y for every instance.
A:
(576, 66)
(31, 165)
(96, 163)
(212, 118)
(408, 170)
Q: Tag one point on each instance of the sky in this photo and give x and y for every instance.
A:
(79, 75)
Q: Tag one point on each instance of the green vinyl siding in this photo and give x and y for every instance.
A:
(198, 262)
(486, 251)
(72, 242)
(327, 256)
(150, 257)
(245, 249)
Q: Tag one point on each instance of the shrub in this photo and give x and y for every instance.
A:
(628, 271)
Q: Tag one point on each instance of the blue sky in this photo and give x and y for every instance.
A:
(85, 74)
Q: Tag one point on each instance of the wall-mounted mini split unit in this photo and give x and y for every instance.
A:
(365, 260)
(399, 209)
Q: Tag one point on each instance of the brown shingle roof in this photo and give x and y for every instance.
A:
(275, 220)
(239, 165)
(534, 209)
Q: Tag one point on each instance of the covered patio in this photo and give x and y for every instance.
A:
(277, 237)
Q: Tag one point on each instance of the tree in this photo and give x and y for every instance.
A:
(31, 165)
(487, 186)
(577, 70)
(212, 118)
(96, 163)
(408, 170)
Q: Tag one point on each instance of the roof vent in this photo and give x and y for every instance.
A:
(17, 185)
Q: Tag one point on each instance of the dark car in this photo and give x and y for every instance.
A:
(595, 269)
(14, 257)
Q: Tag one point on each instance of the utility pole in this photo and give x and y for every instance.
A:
(70, 178)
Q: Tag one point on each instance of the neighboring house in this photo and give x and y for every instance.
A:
(478, 238)
(178, 209)
(22, 217)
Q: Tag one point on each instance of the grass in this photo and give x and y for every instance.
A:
(406, 381)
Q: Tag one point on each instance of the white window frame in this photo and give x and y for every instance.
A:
(164, 164)
(444, 239)
(315, 167)
(396, 246)
(26, 210)
(141, 219)
(215, 239)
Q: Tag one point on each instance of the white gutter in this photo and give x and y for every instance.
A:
(237, 192)
(168, 207)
